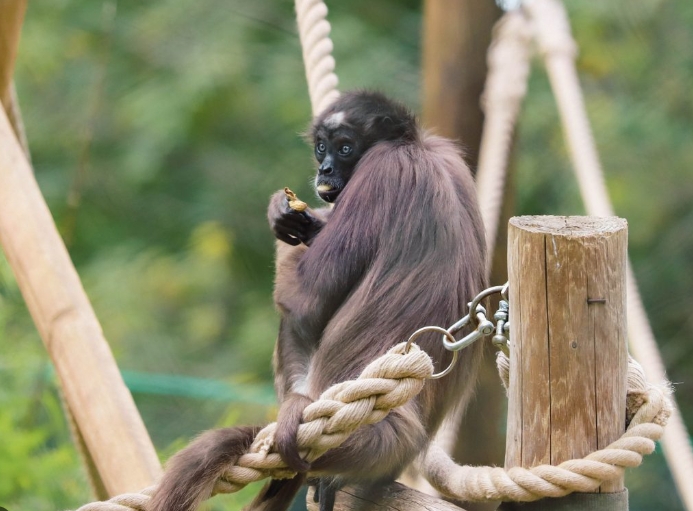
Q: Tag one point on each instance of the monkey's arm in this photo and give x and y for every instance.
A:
(291, 226)
(291, 364)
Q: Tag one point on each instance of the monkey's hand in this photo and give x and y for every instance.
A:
(288, 421)
(291, 226)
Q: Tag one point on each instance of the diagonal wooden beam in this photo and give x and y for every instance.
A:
(94, 389)
(102, 406)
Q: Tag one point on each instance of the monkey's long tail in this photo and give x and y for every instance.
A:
(192, 473)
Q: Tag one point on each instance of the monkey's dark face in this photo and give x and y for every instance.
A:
(337, 149)
(350, 127)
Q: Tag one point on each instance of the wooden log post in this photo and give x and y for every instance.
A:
(568, 360)
(456, 35)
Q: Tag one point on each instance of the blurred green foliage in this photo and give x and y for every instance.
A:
(158, 131)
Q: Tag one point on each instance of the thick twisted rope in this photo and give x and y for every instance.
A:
(397, 377)
(648, 409)
(314, 31)
(124, 502)
(386, 383)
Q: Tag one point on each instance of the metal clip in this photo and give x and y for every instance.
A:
(484, 327)
(500, 340)
(477, 314)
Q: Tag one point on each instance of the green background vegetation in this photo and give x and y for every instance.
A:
(158, 130)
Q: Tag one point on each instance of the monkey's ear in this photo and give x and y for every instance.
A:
(385, 127)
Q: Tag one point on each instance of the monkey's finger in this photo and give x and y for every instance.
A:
(328, 494)
(287, 239)
(297, 232)
(301, 217)
(290, 224)
(306, 237)
(287, 210)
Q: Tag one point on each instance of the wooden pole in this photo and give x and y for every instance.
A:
(96, 395)
(567, 395)
(93, 387)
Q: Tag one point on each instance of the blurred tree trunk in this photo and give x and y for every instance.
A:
(11, 17)
(457, 34)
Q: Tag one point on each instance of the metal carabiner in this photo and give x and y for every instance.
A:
(500, 340)
(484, 328)
(479, 318)
(484, 294)
(446, 335)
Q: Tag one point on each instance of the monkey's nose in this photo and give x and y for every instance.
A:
(325, 171)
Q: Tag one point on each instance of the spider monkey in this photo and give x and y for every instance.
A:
(402, 246)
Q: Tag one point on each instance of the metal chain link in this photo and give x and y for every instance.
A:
(483, 326)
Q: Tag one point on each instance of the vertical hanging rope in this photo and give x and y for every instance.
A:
(314, 31)
(552, 29)
(505, 89)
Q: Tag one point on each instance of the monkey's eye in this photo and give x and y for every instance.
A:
(345, 150)
(320, 147)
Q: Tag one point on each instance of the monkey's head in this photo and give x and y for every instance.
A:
(348, 128)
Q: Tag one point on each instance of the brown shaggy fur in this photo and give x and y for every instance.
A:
(402, 248)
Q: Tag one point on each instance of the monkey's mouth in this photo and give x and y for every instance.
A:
(327, 192)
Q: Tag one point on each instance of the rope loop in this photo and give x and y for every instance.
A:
(648, 409)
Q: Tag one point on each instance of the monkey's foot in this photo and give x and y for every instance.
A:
(325, 493)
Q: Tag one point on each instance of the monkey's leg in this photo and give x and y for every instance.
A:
(325, 493)
(326, 489)
(316, 493)
(277, 495)
(191, 474)
(378, 451)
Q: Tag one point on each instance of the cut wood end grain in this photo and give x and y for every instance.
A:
(570, 226)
